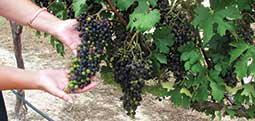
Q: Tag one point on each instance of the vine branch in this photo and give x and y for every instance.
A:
(122, 20)
(212, 107)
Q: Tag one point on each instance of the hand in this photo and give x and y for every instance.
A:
(55, 82)
(66, 32)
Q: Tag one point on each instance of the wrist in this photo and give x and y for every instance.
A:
(38, 80)
(46, 22)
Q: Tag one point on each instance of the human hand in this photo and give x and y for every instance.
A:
(55, 82)
(66, 32)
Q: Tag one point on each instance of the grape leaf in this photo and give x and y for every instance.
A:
(179, 99)
(196, 68)
(142, 6)
(206, 19)
(202, 93)
(230, 12)
(161, 58)
(248, 90)
(237, 52)
(79, 6)
(143, 21)
(186, 92)
(241, 67)
(217, 91)
(124, 4)
(153, 3)
(163, 39)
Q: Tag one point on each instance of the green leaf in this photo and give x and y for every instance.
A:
(142, 7)
(230, 12)
(179, 99)
(248, 90)
(233, 90)
(204, 19)
(163, 39)
(167, 85)
(202, 93)
(241, 67)
(153, 3)
(59, 10)
(79, 6)
(186, 92)
(161, 58)
(217, 91)
(124, 4)
(231, 113)
(196, 68)
(237, 52)
(143, 21)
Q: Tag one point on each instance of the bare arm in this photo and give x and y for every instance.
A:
(13, 78)
(21, 11)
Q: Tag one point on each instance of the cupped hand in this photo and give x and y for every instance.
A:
(66, 32)
(55, 82)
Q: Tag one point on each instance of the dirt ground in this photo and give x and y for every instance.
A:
(100, 104)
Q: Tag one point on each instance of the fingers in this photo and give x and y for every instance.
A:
(90, 86)
(74, 52)
(62, 95)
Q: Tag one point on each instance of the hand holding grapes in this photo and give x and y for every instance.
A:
(52, 81)
(55, 82)
(65, 31)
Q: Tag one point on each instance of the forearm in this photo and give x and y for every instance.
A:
(13, 78)
(21, 11)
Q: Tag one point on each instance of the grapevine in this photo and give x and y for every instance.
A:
(208, 49)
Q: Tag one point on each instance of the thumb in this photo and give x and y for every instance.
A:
(61, 94)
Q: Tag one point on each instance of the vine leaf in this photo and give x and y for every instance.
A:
(79, 6)
(163, 39)
(142, 6)
(238, 51)
(217, 91)
(217, 85)
(124, 4)
(248, 90)
(186, 92)
(241, 67)
(179, 99)
(206, 19)
(143, 21)
(202, 93)
(160, 57)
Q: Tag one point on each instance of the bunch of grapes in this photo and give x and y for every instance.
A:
(183, 32)
(131, 71)
(70, 11)
(95, 34)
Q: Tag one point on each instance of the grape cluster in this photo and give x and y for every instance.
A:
(95, 34)
(183, 32)
(130, 71)
(245, 32)
(70, 11)
(230, 78)
(120, 35)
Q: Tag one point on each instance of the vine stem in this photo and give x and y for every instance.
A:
(122, 20)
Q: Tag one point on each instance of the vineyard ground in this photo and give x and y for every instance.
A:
(101, 103)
